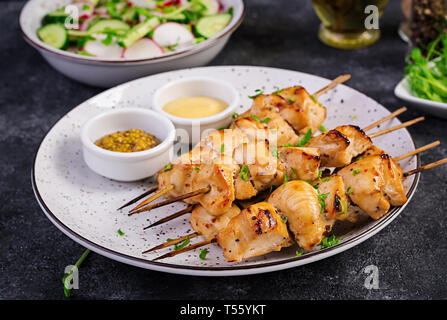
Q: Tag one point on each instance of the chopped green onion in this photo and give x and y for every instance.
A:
(305, 139)
(203, 253)
(329, 242)
(235, 115)
(355, 172)
(168, 167)
(120, 232)
(349, 191)
(258, 92)
(222, 148)
(182, 245)
(323, 129)
(244, 172)
(197, 169)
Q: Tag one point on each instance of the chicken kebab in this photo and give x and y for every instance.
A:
(304, 211)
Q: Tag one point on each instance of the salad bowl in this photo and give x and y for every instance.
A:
(108, 72)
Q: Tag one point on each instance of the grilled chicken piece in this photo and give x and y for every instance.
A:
(224, 141)
(262, 168)
(208, 225)
(295, 105)
(298, 201)
(266, 124)
(340, 145)
(255, 231)
(300, 163)
(217, 175)
(376, 183)
(333, 190)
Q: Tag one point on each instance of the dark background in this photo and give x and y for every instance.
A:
(411, 253)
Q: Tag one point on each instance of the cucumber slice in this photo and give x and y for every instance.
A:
(57, 16)
(212, 6)
(54, 35)
(209, 26)
(111, 24)
(138, 31)
(179, 17)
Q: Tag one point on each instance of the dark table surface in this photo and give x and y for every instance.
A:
(411, 253)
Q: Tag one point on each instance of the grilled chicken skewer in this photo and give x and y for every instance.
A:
(302, 206)
(223, 170)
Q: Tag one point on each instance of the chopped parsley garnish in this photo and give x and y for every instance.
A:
(222, 128)
(349, 191)
(329, 242)
(284, 219)
(344, 208)
(266, 120)
(275, 152)
(321, 198)
(222, 148)
(120, 232)
(294, 172)
(314, 99)
(258, 92)
(255, 117)
(108, 40)
(355, 172)
(319, 175)
(326, 179)
(168, 167)
(305, 139)
(244, 172)
(323, 129)
(203, 253)
(235, 115)
(298, 254)
(197, 169)
(169, 240)
(286, 178)
(291, 100)
(278, 90)
(182, 245)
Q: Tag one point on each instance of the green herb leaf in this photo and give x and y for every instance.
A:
(222, 148)
(168, 167)
(197, 169)
(305, 139)
(355, 172)
(258, 92)
(349, 191)
(323, 129)
(244, 173)
(235, 115)
(329, 242)
(344, 208)
(298, 254)
(120, 232)
(203, 253)
(182, 245)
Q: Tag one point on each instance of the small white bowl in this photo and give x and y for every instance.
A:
(106, 72)
(192, 87)
(127, 166)
(403, 91)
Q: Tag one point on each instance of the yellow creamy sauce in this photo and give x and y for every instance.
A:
(195, 107)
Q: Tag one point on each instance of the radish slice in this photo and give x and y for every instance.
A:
(98, 49)
(85, 24)
(143, 48)
(85, 9)
(172, 33)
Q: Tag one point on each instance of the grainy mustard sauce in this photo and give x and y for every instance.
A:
(132, 140)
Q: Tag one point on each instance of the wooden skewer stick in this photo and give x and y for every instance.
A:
(172, 242)
(388, 117)
(426, 167)
(168, 201)
(400, 126)
(188, 248)
(332, 84)
(154, 197)
(419, 150)
(141, 196)
(171, 217)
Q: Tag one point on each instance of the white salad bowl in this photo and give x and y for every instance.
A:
(127, 166)
(107, 72)
(194, 128)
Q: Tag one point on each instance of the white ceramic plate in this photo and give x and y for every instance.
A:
(83, 204)
(403, 92)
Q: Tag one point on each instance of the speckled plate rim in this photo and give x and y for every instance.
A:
(221, 271)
